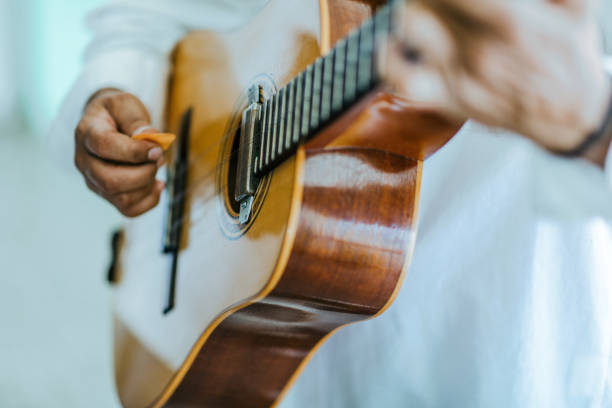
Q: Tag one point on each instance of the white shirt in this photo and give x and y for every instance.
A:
(508, 302)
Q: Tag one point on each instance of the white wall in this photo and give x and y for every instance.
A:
(41, 45)
(55, 327)
(7, 77)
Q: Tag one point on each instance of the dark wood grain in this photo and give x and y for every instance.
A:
(351, 245)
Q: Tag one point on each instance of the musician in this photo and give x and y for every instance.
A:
(508, 300)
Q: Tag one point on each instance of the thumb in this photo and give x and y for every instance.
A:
(129, 113)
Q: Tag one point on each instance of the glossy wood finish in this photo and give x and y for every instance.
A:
(351, 245)
(329, 246)
(401, 128)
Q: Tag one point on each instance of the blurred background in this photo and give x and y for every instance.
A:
(55, 316)
(55, 326)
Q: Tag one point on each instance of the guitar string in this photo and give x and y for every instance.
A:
(214, 170)
(196, 183)
(199, 182)
(192, 161)
(140, 251)
(232, 131)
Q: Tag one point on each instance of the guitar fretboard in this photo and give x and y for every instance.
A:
(324, 90)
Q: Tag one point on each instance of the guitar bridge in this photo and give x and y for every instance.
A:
(177, 182)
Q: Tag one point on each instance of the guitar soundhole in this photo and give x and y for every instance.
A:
(228, 209)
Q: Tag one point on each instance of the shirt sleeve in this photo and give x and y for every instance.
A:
(130, 50)
(608, 167)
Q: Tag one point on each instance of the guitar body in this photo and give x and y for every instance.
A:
(330, 236)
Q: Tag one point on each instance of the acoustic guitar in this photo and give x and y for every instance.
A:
(290, 212)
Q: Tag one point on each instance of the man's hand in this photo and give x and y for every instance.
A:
(115, 166)
(533, 67)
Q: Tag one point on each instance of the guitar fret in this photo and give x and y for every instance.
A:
(264, 134)
(269, 130)
(298, 107)
(274, 125)
(290, 105)
(326, 92)
(382, 30)
(281, 121)
(339, 65)
(307, 101)
(366, 49)
(352, 56)
(261, 140)
(317, 79)
(320, 92)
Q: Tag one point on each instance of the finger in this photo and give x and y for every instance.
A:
(128, 111)
(93, 187)
(147, 203)
(422, 32)
(475, 100)
(112, 178)
(114, 146)
(98, 131)
(490, 94)
(472, 14)
(413, 81)
(126, 200)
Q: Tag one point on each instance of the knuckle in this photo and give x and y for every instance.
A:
(123, 98)
(78, 161)
(156, 200)
(109, 185)
(130, 212)
(124, 200)
(151, 172)
(137, 153)
(93, 143)
(80, 129)
(99, 144)
(90, 186)
(125, 211)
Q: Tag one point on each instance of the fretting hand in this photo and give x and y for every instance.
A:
(532, 67)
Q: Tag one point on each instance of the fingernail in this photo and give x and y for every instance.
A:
(141, 129)
(155, 153)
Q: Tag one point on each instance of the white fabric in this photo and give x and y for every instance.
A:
(608, 64)
(508, 300)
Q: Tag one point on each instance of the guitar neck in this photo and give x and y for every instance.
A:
(320, 93)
